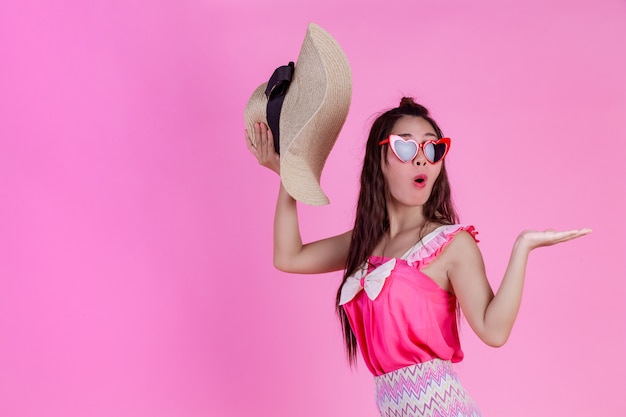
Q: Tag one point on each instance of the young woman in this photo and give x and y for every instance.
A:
(408, 266)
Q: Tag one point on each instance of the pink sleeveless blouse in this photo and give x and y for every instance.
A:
(400, 316)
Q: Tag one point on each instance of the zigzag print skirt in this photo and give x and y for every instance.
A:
(428, 389)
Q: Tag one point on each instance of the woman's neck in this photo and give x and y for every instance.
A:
(404, 218)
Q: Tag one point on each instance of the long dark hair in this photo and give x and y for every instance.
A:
(372, 220)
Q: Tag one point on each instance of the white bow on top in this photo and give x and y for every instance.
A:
(372, 283)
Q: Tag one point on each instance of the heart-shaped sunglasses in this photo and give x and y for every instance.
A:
(407, 149)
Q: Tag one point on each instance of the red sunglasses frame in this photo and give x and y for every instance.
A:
(391, 139)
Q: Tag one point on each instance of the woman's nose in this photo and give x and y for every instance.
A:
(419, 159)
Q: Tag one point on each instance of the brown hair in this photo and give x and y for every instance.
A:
(372, 219)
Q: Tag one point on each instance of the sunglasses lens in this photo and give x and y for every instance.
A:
(405, 150)
(434, 152)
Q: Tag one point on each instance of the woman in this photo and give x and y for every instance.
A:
(408, 266)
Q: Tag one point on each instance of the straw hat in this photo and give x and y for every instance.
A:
(313, 112)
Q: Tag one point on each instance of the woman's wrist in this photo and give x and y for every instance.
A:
(522, 244)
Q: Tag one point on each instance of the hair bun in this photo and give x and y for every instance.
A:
(408, 102)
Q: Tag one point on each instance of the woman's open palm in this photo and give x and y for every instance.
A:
(535, 239)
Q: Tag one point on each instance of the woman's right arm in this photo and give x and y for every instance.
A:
(290, 255)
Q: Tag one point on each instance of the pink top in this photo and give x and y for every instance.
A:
(403, 317)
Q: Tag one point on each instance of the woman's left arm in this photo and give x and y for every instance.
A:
(492, 316)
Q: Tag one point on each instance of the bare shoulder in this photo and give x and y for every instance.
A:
(464, 239)
(462, 248)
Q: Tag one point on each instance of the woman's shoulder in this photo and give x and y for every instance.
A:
(462, 243)
(439, 238)
(448, 232)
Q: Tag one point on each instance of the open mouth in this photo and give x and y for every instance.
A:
(420, 179)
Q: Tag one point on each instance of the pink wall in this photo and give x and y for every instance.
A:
(135, 229)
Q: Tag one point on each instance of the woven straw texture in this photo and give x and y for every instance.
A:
(313, 113)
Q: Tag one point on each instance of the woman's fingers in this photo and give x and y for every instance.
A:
(262, 147)
(535, 239)
(572, 234)
(263, 140)
(269, 141)
(250, 144)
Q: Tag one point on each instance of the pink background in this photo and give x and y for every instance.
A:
(136, 229)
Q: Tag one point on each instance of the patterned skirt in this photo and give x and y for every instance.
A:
(429, 389)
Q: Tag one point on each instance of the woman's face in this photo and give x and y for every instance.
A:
(410, 183)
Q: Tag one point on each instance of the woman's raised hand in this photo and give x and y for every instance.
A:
(532, 239)
(263, 150)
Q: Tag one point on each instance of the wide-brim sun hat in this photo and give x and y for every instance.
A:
(313, 112)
